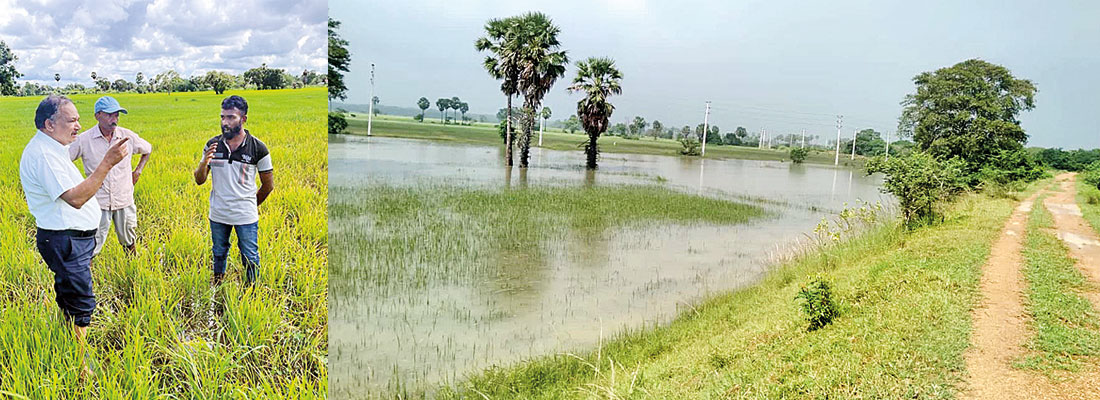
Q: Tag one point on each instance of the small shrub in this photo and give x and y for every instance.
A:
(1091, 174)
(690, 147)
(798, 155)
(337, 124)
(921, 183)
(418, 118)
(818, 304)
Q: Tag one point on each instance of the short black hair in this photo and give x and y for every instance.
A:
(48, 108)
(237, 102)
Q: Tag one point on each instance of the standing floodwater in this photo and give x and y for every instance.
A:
(420, 303)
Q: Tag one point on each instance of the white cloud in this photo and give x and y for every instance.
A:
(119, 38)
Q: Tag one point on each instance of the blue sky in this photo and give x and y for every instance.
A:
(119, 38)
(776, 65)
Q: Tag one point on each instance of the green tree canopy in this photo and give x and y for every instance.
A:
(338, 61)
(8, 74)
(218, 80)
(968, 111)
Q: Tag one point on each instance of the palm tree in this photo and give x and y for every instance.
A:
(455, 104)
(502, 63)
(598, 79)
(464, 108)
(541, 64)
(423, 103)
(443, 104)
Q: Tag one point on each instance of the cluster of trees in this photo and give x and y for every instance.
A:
(963, 121)
(1073, 160)
(444, 104)
(524, 53)
(167, 81)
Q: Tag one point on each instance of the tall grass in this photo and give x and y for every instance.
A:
(160, 329)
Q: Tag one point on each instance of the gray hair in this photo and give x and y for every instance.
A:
(47, 109)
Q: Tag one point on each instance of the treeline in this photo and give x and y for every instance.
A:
(1073, 160)
(170, 81)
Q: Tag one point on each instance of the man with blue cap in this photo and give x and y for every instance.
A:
(116, 196)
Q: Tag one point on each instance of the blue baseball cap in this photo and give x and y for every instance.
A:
(108, 105)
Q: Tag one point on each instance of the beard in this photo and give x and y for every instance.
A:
(229, 133)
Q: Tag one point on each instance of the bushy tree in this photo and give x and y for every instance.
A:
(219, 81)
(337, 123)
(798, 154)
(967, 111)
(339, 59)
(266, 78)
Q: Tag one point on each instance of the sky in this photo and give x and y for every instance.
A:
(782, 66)
(119, 38)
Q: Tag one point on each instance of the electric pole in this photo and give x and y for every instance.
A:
(839, 124)
(370, 110)
(854, 134)
(706, 127)
(803, 138)
(887, 145)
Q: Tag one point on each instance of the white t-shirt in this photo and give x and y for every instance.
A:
(234, 175)
(46, 172)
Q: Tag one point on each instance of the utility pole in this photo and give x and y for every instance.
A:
(803, 138)
(706, 127)
(767, 140)
(854, 134)
(887, 145)
(370, 110)
(839, 124)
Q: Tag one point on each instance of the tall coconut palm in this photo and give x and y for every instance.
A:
(598, 79)
(423, 103)
(443, 104)
(541, 64)
(501, 42)
(455, 104)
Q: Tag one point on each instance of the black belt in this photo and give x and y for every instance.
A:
(69, 232)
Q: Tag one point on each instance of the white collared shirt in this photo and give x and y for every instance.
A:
(46, 172)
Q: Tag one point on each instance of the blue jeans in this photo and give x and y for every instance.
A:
(247, 238)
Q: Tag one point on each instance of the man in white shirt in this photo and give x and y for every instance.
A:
(63, 206)
(116, 196)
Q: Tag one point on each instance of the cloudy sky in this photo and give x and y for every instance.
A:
(776, 65)
(119, 38)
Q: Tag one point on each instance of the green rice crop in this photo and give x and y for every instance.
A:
(413, 258)
(160, 328)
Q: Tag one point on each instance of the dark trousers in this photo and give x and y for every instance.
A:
(69, 258)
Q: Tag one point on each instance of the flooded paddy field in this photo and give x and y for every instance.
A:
(444, 262)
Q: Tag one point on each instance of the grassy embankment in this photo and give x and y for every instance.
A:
(556, 139)
(904, 324)
(1065, 328)
(160, 329)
